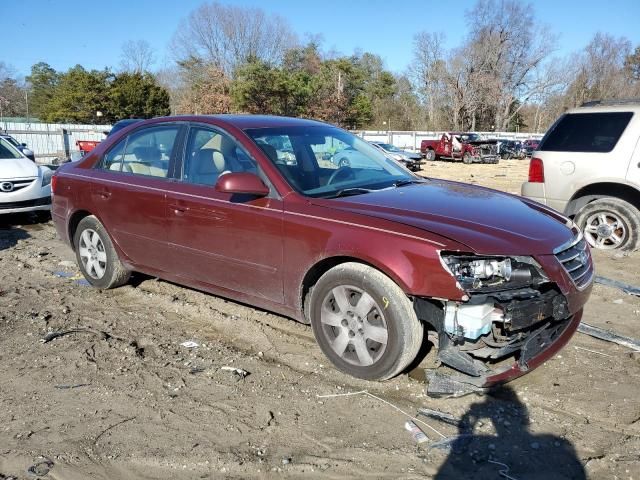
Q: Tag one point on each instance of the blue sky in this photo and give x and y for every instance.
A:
(89, 32)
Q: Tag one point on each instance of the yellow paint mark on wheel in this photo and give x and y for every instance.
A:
(385, 300)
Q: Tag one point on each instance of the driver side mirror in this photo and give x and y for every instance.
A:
(242, 183)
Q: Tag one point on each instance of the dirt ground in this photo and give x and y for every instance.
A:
(120, 397)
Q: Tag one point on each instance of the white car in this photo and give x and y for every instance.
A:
(588, 167)
(24, 186)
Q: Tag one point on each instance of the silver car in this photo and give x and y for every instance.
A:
(24, 185)
(587, 166)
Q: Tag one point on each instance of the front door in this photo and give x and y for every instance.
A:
(232, 242)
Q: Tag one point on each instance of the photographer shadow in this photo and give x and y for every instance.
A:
(512, 451)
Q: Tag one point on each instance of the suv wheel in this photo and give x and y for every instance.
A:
(96, 256)
(610, 223)
(363, 322)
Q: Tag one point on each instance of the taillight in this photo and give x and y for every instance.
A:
(54, 181)
(536, 171)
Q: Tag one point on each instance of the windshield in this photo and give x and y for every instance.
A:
(470, 137)
(389, 148)
(321, 161)
(8, 151)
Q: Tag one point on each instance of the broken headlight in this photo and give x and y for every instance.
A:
(477, 273)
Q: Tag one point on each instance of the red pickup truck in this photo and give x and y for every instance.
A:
(468, 147)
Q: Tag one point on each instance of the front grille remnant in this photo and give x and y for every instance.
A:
(576, 260)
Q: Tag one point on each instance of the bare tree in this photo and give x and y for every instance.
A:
(512, 48)
(227, 36)
(137, 56)
(428, 72)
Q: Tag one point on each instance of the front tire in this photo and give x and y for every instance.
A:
(610, 223)
(363, 322)
(467, 159)
(96, 256)
(430, 155)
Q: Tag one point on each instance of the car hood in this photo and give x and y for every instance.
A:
(17, 168)
(486, 221)
(412, 155)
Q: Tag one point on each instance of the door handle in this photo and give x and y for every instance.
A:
(179, 209)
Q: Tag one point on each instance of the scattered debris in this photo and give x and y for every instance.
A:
(592, 351)
(608, 336)
(110, 427)
(625, 287)
(618, 301)
(190, 344)
(443, 385)
(456, 443)
(40, 468)
(366, 393)
(416, 433)
(238, 372)
(438, 415)
(61, 333)
(65, 387)
(504, 473)
(286, 460)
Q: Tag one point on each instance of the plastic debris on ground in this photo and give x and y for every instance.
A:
(238, 372)
(190, 344)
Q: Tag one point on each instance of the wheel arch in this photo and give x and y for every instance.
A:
(319, 268)
(72, 224)
(595, 191)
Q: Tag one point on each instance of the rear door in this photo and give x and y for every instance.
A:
(129, 192)
(230, 241)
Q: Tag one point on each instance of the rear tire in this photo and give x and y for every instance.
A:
(96, 256)
(610, 223)
(363, 322)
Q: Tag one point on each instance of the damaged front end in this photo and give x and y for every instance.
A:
(510, 314)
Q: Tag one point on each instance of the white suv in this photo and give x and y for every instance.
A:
(588, 167)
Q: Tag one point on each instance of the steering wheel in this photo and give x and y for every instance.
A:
(341, 171)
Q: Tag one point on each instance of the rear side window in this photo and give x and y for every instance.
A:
(586, 132)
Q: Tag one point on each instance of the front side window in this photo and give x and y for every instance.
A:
(211, 154)
(8, 151)
(327, 161)
(586, 132)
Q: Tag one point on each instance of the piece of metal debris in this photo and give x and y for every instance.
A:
(438, 415)
(190, 344)
(609, 336)
(625, 287)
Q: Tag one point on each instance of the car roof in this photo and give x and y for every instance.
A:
(244, 122)
(602, 108)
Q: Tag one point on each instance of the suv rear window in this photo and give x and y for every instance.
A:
(586, 132)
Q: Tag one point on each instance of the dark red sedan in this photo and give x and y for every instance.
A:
(253, 208)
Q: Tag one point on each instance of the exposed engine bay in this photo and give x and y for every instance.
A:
(512, 312)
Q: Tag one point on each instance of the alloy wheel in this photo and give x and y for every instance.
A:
(92, 254)
(354, 325)
(605, 230)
